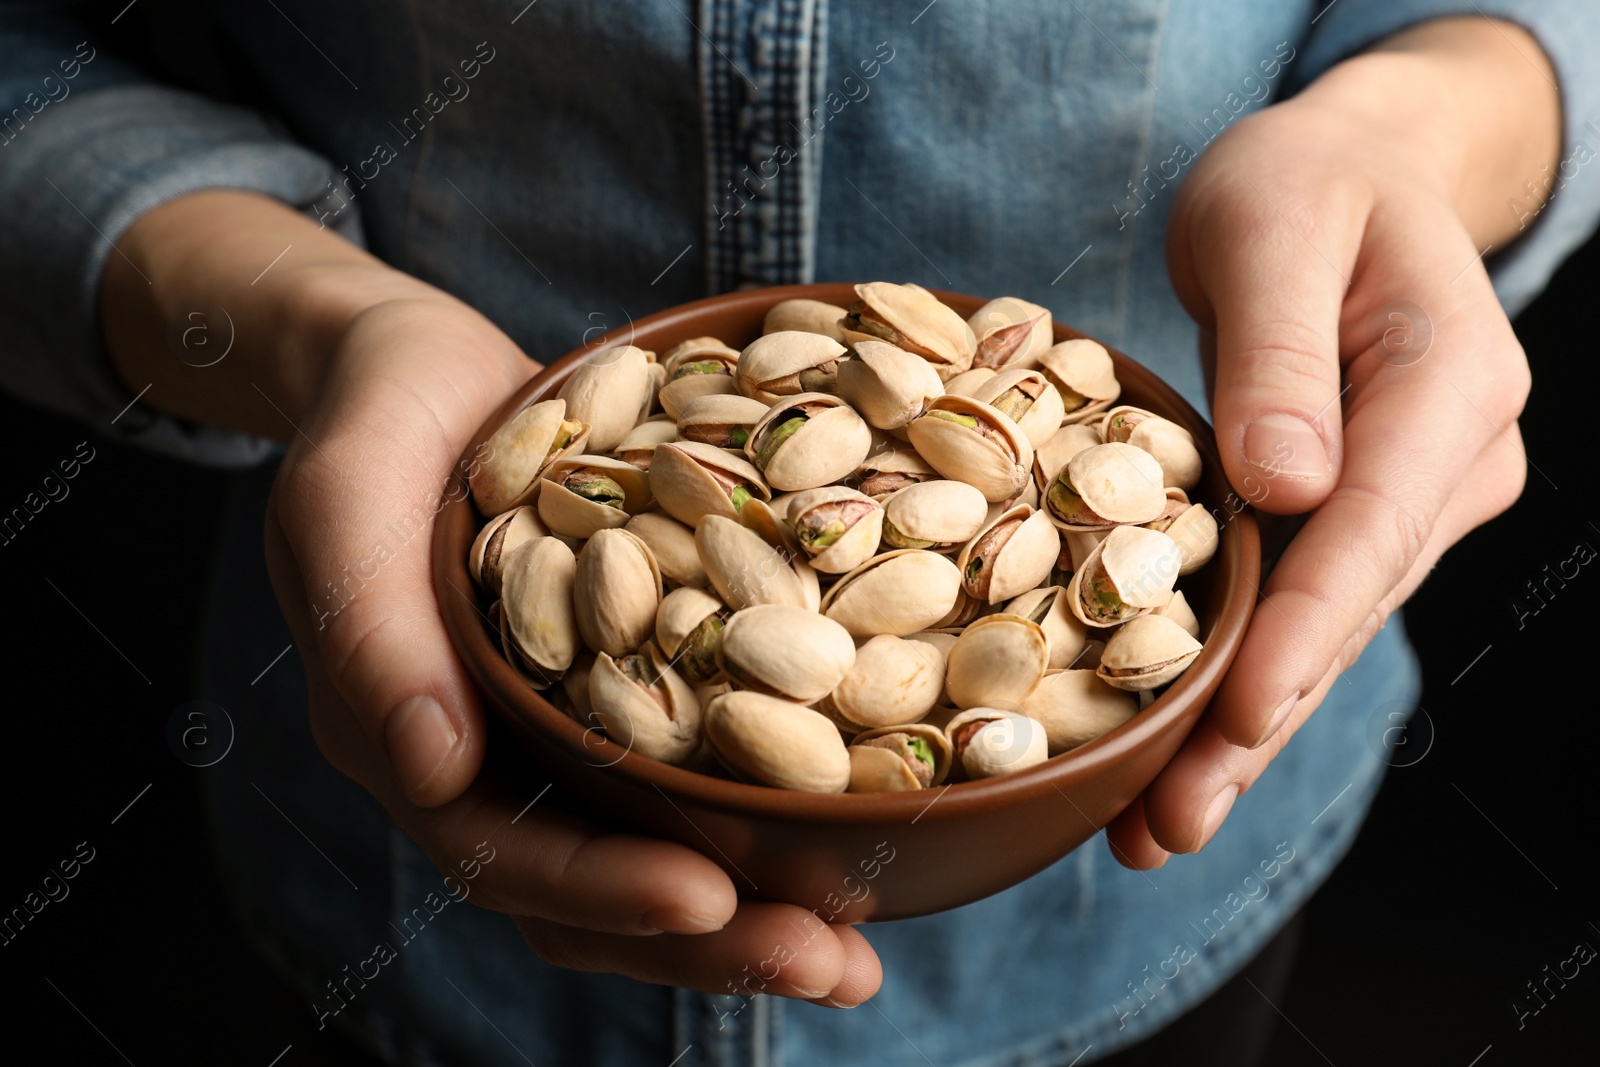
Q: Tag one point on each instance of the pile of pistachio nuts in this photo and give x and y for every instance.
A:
(880, 548)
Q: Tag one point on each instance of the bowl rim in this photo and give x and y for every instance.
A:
(510, 695)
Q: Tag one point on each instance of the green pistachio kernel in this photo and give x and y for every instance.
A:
(895, 537)
(969, 421)
(738, 496)
(776, 437)
(704, 366)
(919, 748)
(824, 536)
(737, 436)
(592, 485)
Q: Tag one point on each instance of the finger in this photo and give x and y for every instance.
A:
(1131, 842)
(766, 948)
(1267, 272)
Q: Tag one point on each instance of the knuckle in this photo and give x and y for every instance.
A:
(1407, 523)
(1284, 356)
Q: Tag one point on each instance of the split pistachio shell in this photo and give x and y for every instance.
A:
(617, 591)
(808, 440)
(1130, 573)
(968, 382)
(509, 475)
(898, 593)
(1195, 531)
(919, 757)
(672, 545)
(575, 683)
(1059, 450)
(838, 527)
(990, 741)
(609, 391)
(942, 641)
(1178, 610)
(1173, 447)
(910, 317)
(498, 539)
(1028, 399)
(887, 385)
(773, 742)
(788, 363)
(807, 316)
(744, 568)
(939, 515)
(539, 629)
(1011, 333)
(893, 680)
(760, 517)
(640, 443)
(1146, 653)
(889, 470)
(723, 420)
(970, 441)
(1083, 372)
(688, 627)
(1009, 556)
(1050, 608)
(996, 662)
(691, 480)
(1076, 706)
(785, 651)
(582, 495)
(1104, 486)
(645, 706)
(702, 366)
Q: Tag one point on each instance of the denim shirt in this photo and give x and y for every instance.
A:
(566, 168)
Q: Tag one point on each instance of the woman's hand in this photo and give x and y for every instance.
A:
(377, 383)
(1330, 247)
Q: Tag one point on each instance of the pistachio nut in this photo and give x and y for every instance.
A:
(808, 440)
(1172, 446)
(1194, 530)
(776, 532)
(498, 538)
(1049, 607)
(940, 515)
(966, 608)
(1084, 374)
(691, 480)
(807, 316)
(702, 366)
(609, 391)
(672, 545)
(1011, 555)
(887, 385)
(641, 441)
(1055, 453)
(1128, 574)
(1028, 399)
(838, 527)
(968, 382)
(900, 757)
(539, 629)
(970, 441)
(1146, 653)
(996, 661)
(772, 742)
(575, 683)
(1075, 707)
(893, 680)
(898, 592)
(910, 317)
(942, 641)
(645, 706)
(616, 592)
(1011, 333)
(788, 363)
(721, 420)
(785, 651)
(887, 471)
(509, 475)
(582, 495)
(744, 569)
(1105, 486)
(1178, 610)
(987, 742)
(689, 625)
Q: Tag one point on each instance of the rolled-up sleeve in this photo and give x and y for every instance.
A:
(87, 144)
(1569, 32)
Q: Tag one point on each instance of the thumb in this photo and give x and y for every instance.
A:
(1270, 285)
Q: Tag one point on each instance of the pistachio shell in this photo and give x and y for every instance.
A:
(1055, 453)
(939, 514)
(911, 318)
(1080, 544)
(990, 741)
(828, 443)
(575, 683)
(838, 527)
(870, 773)
(1083, 372)
(898, 592)
(641, 441)
(966, 608)
(688, 627)
(760, 517)
(1197, 536)
(1173, 448)
(970, 441)
(1050, 608)
(565, 511)
(1011, 333)
(498, 538)
(672, 545)
(1076, 707)
(996, 661)
(781, 364)
(691, 480)
(1011, 555)
(539, 628)
(721, 419)
(609, 391)
(745, 570)
(1128, 574)
(683, 390)
(1028, 399)
(1106, 485)
(773, 742)
(1178, 610)
(1147, 652)
(698, 350)
(893, 680)
(968, 382)
(879, 770)
(645, 706)
(887, 385)
(509, 475)
(785, 651)
(888, 470)
(807, 316)
(617, 591)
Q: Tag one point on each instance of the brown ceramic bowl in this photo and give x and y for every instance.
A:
(857, 857)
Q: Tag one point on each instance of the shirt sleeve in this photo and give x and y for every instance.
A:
(90, 143)
(1569, 32)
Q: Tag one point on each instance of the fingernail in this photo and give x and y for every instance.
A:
(1279, 717)
(1278, 444)
(807, 994)
(1221, 804)
(421, 737)
(830, 1002)
(677, 921)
